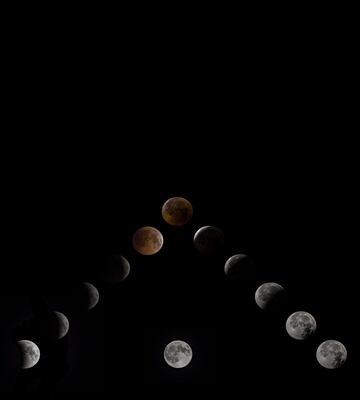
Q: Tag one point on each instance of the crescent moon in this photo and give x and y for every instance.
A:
(92, 295)
(115, 268)
(209, 240)
(62, 324)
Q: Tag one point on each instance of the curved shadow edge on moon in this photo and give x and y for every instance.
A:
(92, 295)
(114, 268)
(30, 353)
(237, 266)
(62, 324)
(266, 293)
(209, 240)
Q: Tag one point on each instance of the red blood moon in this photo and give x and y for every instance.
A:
(177, 211)
(147, 241)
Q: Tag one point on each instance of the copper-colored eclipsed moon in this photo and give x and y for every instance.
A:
(177, 211)
(147, 240)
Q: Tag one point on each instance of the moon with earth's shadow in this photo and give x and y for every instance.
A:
(266, 294)
(237, 266)
(91, 295)
(83, 297)
(114, 268)
(209, 240)
(30, 353)
(177, 211)
(147, 240)
(58, 325)
(178, 354)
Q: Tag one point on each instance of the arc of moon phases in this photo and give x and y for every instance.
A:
(301, 325)
(147, 241)
(177, 211)
(209, 240)
(178, 354)
(30, 353)
(266, 293)
(331, 354)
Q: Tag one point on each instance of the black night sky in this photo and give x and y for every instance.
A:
(288, 221)
(246, 154)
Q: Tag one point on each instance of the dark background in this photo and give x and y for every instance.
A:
(259, 144)
(293, 220)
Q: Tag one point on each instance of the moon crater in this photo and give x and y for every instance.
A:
(178, 354)
(301, 325)
(266, 293)
(148, 240)
(177, 211)
(331, 354)
(30, 353)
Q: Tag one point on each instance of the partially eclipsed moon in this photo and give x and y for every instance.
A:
(115, 268)
(266, 293)
(92, 295)
(63, 324)
(147, 240)
(237, 266)
(58, 325)
(178, 354)
(209, 240)
(30, 353)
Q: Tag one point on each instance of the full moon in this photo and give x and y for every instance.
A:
(331, 354)
(30, 353)
(178, 354)
(147, 241)
(266, 293)
(177, 211)
(301, 325)
(209, 240)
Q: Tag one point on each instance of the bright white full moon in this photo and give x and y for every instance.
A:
(178, 354)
